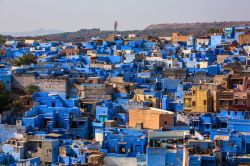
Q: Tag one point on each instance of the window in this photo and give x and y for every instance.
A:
(207, 126)
(193, 103)
(193, 92)
(39, 144)
(81, 123)
(223, 125)
(196, 124)
(122, 150)
(49, 151)
(53, 104)
(131, 149)
(205, 102)
(138, 148)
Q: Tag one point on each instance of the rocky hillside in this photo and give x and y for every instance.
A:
(152, 30)
(205, 25)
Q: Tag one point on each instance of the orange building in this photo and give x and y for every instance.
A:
(71, 51)
(176, 37)
(150, 118)
(244, 39)
(2, 52)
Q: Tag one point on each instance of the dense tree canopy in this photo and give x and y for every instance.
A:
(32, 89)
(2, 40)
(4, 97)
(213, 30)
(26, 59)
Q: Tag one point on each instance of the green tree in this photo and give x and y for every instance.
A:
(26, 59)
(1, 87)
(32, 89)
(4, 97)
(2, 40)
(213, 30)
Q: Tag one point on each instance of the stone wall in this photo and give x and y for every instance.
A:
(50, 84)
(120, 161)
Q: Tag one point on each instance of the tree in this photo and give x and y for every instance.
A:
(2, 40)
(1, 87)
(26, 59)
(32, 89)
(213, 30)
(4, 97)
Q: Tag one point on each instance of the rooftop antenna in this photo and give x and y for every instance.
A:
(115, 27)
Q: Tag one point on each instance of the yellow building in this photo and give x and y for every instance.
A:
(203, 64)
(140, 96)
(199, 100)
(221, 58)
(30, 41)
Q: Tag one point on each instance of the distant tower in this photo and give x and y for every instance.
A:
(115, 27)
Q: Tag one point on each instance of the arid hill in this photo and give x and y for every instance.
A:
(155, 30)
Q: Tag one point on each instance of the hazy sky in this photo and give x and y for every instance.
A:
(71, 15)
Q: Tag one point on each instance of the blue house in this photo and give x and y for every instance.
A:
(56, 115)
(124, 142)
